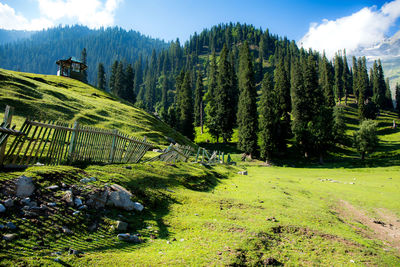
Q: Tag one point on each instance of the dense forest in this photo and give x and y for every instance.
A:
(232, 76)
(39, 52)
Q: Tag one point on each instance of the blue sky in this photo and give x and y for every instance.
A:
(303, 21)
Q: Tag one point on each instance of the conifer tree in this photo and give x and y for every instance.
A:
(138, 79)
(355, 78)
(362, 84)
(224, 97)
(397, 95)
(129, 93)
(269, 119)
(327, 81)
(186, 108)
(247, 109)
(379, 85)
(388, 96)
(211, 107)
(346, 78)
(101, 77)
(338, 77)
(119, 83)
(198, 102)
(111, 82)
(84, 61)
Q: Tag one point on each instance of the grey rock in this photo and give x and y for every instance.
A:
(26, 207)
(53, 187)
(83, 207)
(9, 203)
(243, 173)
(25, 186)
(85, 180)
(78, 202)
(68, 197)
(129, 238)
(52, 204)
(43, 207)
(32, 204)
(157, 150)
(137, 206)
(2, 208)
(9, 237)
(66, 230)
(98, 199)
(121, 198)
(26, 201)
(75, 213)
(93, 179)
(30, 214)
(121, 226)
(11, 226)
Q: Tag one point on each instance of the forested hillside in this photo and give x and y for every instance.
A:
(9, 36)
(39, 53)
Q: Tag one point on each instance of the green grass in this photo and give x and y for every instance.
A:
(49, 97)
(218, 217)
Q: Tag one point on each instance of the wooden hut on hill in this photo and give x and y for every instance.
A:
(71, 67)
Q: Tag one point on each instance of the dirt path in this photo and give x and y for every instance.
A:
(385, 227)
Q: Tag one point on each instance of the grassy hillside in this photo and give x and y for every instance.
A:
(48, 97)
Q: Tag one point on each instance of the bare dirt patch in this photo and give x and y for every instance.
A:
(385, 226)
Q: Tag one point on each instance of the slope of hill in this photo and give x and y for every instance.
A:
(39, 53)
(49, 97)
(9, 36)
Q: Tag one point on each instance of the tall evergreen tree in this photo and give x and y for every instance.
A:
(379, 85)
(247, 109)
(327, 81)
(269, 119)
(346, 78)
(138, 79)
(362, 84)
(111, 82)
(101, 77)
(211, 107)
(84, 61)
(186, 108)
(397, 95)
(119, 83)
(224, 98)
(129, 94)
(338, 77)
(388, 96)
(198, 102)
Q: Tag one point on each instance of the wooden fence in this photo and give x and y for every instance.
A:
(174, 153)
(53, 143)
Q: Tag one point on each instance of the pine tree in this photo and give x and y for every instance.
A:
(355, 71)
(119, 83)
(101, 77)
(247, 109)
(327, 81)
(338, 77)
(129, 93)
(362, 85)
(111, 82)
(224, 97)
(198, 102)
(84, 61)
(397, 95)
(379, 86)
(269, 119)
(186, 108)
(138, 80)
(346, 78)
(388, 96)
(282, 89)
(211, 107)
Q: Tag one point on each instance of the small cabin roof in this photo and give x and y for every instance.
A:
(69, 61)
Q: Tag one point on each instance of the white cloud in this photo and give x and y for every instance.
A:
(10, 20)
(92, 13)
(361, 29)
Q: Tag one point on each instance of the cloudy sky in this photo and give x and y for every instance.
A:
(323, 25)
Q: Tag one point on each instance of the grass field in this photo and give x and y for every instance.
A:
(297, 212)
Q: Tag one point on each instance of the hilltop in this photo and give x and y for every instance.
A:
(49, 97)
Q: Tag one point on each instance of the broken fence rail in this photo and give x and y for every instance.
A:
(53, 143)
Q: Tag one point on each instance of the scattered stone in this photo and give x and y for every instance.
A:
(352, 183)
(53, 187)
(129, 238)
(2, 208)
(182, 240)
(25, 186)
(97, 199)
(26, 201)
(168, 242)
(85, 180)
(39, 164)
(66, 230)
(9, 237)
(26, 207)
(121, 198)
(30, 214)
(75, 252)
(68, 197)
(243, 173)
(52, 204)
(76, 213)
(9, 203)
(196, 214)
(43, 207)
(352, 261)
(128, 167)
(78, 202)
(137, 206)
(157, 150)
(11, 226)
(121, 226)
(93, 179)
(83, 207)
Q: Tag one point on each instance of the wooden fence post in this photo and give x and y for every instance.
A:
(72, 143)
(198, 153)
(7, 120)
(113, 145)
